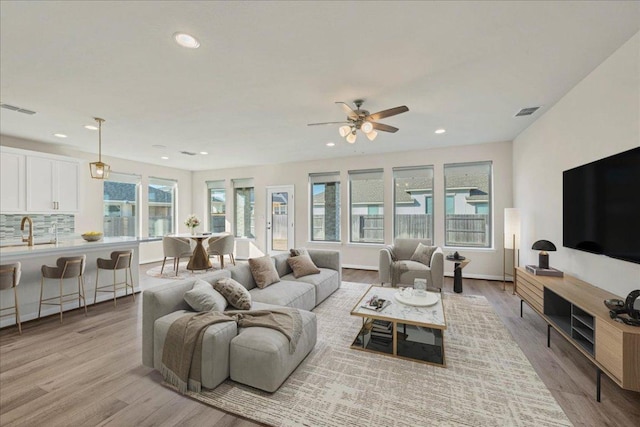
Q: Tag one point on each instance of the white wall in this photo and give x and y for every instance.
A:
(90, 216)
(485, 263)
(597, 118)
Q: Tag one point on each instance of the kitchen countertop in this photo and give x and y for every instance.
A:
(68, 245)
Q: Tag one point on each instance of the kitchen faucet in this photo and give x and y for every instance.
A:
(29, 239)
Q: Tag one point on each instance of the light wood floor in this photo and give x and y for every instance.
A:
(88, 371)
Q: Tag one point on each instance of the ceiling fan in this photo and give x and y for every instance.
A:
(361, 119)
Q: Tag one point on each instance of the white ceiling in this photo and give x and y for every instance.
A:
(266, 69)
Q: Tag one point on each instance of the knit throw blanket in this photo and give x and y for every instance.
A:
(182, 351)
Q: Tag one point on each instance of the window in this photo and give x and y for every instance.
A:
(162, 206)
(366, 204)
(244, 219)
(121, 204)
(413, 202)
(468, 205)
(217, 206)
(325, 207)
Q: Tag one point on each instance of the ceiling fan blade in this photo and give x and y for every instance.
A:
(387, 113)
(328, 123)
(347, 109)
(384, 128)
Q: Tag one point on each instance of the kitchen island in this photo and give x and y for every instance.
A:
(33, 257)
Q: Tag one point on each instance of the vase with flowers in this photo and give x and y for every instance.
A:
(192, 222)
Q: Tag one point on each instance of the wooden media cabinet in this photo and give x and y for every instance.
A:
(576, 310)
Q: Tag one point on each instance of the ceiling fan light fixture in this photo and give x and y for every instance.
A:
(344, 130)
(366, 127)
(351, 138)
(372, 135)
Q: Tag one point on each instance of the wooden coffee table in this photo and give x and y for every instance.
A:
(414, 333)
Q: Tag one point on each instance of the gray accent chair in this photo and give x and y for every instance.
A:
(221, 246)
(176, 248)
(396, 267)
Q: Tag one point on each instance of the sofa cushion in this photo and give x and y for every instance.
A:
(298, 252)
(302, 266)
(288, 294)
(423, 254)
(282, 266)
(260, 357)
(325, 282)
(215, 347)
(236, 294)
(263, 271)
(202, 297)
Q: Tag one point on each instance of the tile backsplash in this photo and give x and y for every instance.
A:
(10, 225)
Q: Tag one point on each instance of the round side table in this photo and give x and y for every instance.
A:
(459, 264)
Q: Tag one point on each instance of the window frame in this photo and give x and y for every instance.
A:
(490, 228)
(216, 186)
(325, 178)
(244, 184)
(174, 206)
(126, 178)
(428, 170)
(373, 174)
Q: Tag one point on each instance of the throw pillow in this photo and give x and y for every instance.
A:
(298, 252)
(302, 265)
(236, 294)
(263, 271)
(202, 297)
(423, 254)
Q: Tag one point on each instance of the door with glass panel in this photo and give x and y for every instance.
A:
(280, 219)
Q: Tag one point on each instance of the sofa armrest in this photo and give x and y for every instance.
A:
(437, 269)
(165, 299)
(384, 265)
(327, 259)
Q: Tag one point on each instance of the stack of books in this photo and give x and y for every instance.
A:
(381, 330)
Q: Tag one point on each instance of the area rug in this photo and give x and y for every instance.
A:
(183, 273)
(488, 381)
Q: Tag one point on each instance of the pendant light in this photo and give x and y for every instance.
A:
(98, 169)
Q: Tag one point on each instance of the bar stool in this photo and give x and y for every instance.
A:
(120, 260)
(66, 268)
(9, 279)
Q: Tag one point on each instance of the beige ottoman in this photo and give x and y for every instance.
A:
(260, 358)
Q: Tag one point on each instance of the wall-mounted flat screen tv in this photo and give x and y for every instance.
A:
(601, 206)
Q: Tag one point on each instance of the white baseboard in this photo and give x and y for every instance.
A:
(360, 267)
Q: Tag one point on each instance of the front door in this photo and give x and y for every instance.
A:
(280, 219)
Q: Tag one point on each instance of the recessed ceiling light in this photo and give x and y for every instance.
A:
(91, 127)
(204, 152)
(330, 144)
(186, 40)
(164, 158)
(60, 135)
(439, 131)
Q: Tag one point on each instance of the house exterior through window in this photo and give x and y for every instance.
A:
(244, 200)
(162, 206)
(121, 195)
(468, 201)
(217, 206)
(413, 202)
(366, 206)
(325, 206)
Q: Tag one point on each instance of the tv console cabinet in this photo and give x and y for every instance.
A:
(576, 310)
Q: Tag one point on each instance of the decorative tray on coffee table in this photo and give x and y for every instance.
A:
(430, 298)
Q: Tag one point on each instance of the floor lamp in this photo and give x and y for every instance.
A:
(511, 241)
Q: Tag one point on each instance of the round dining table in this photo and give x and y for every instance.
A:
(199, 258)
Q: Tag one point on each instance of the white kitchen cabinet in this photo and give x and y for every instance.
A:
(52, 185)
(12, 182)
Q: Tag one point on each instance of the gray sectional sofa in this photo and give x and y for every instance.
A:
(258, 357)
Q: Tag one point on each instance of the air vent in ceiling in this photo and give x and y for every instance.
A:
(187, 153)
(526, 111)
(17, 109)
